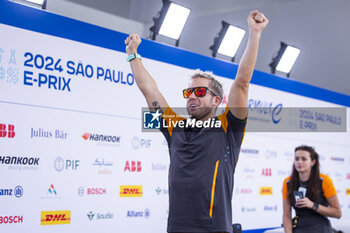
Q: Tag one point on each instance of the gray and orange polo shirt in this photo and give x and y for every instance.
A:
(202, 165)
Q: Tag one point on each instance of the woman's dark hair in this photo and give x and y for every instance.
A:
(313, 184)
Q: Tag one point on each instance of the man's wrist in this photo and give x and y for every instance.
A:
(133, 56)
(131, 52)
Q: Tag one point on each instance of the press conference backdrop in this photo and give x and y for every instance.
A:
(73, 157)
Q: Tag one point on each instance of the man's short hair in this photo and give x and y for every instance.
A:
(214, 85)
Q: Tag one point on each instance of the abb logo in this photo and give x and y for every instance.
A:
(135, 166)
(11, 219)
(96, 191)
(264, 191)
(8, 131)
(55, 217)
(266, 172)
(131, 191)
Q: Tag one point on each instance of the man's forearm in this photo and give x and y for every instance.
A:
(143, 79)
(247, 63)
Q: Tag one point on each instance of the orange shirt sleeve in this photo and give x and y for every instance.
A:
(170, 115)
(328, 187)
(285, 188)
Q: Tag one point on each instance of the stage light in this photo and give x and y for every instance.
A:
(285, 59)
(228, 40)
(170, 21)
(35, 3)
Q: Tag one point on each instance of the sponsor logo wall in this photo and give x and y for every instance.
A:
(75, 156)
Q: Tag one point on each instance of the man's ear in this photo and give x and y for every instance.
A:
(216, 101)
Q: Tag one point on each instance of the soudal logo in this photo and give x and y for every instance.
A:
(7, 131)
(96, 191)
(138, 214)
(55, 217)
(91, 216)
(138, 143)
(265, 191)
(11, 219)
(17, 192)
(266, 172)
(160, 191)
(246, 191)
(133, 166)
(347, 192)
(19, 160)
(337, 159)
(101, 138)
(131, 191)
(49, 134)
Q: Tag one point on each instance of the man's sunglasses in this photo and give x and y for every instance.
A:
(198, 91)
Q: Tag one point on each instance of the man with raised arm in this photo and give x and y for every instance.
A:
(202, 159)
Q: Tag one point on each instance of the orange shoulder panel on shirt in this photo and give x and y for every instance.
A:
(168, 115)
(223, 118)
(285, 188)
(327, 186)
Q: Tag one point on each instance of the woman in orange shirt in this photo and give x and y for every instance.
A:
(311, 194)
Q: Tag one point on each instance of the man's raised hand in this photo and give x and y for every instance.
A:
(132, 43)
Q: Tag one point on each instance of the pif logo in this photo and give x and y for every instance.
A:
(8, 131)
(265, 191)
(55, 217)
(131, 191)
(135, 166)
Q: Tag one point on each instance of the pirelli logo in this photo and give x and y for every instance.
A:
(131, 191)
(347, 192)
(265, 191)
(55, 217)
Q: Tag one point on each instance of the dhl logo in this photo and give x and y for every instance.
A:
(55, 217)
(347, 192)
(131, 191)
(264, 191)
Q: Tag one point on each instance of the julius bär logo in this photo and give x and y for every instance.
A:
(131, 191)
(265, 191)
(133, 166)
(7, 131)
(55, 217)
